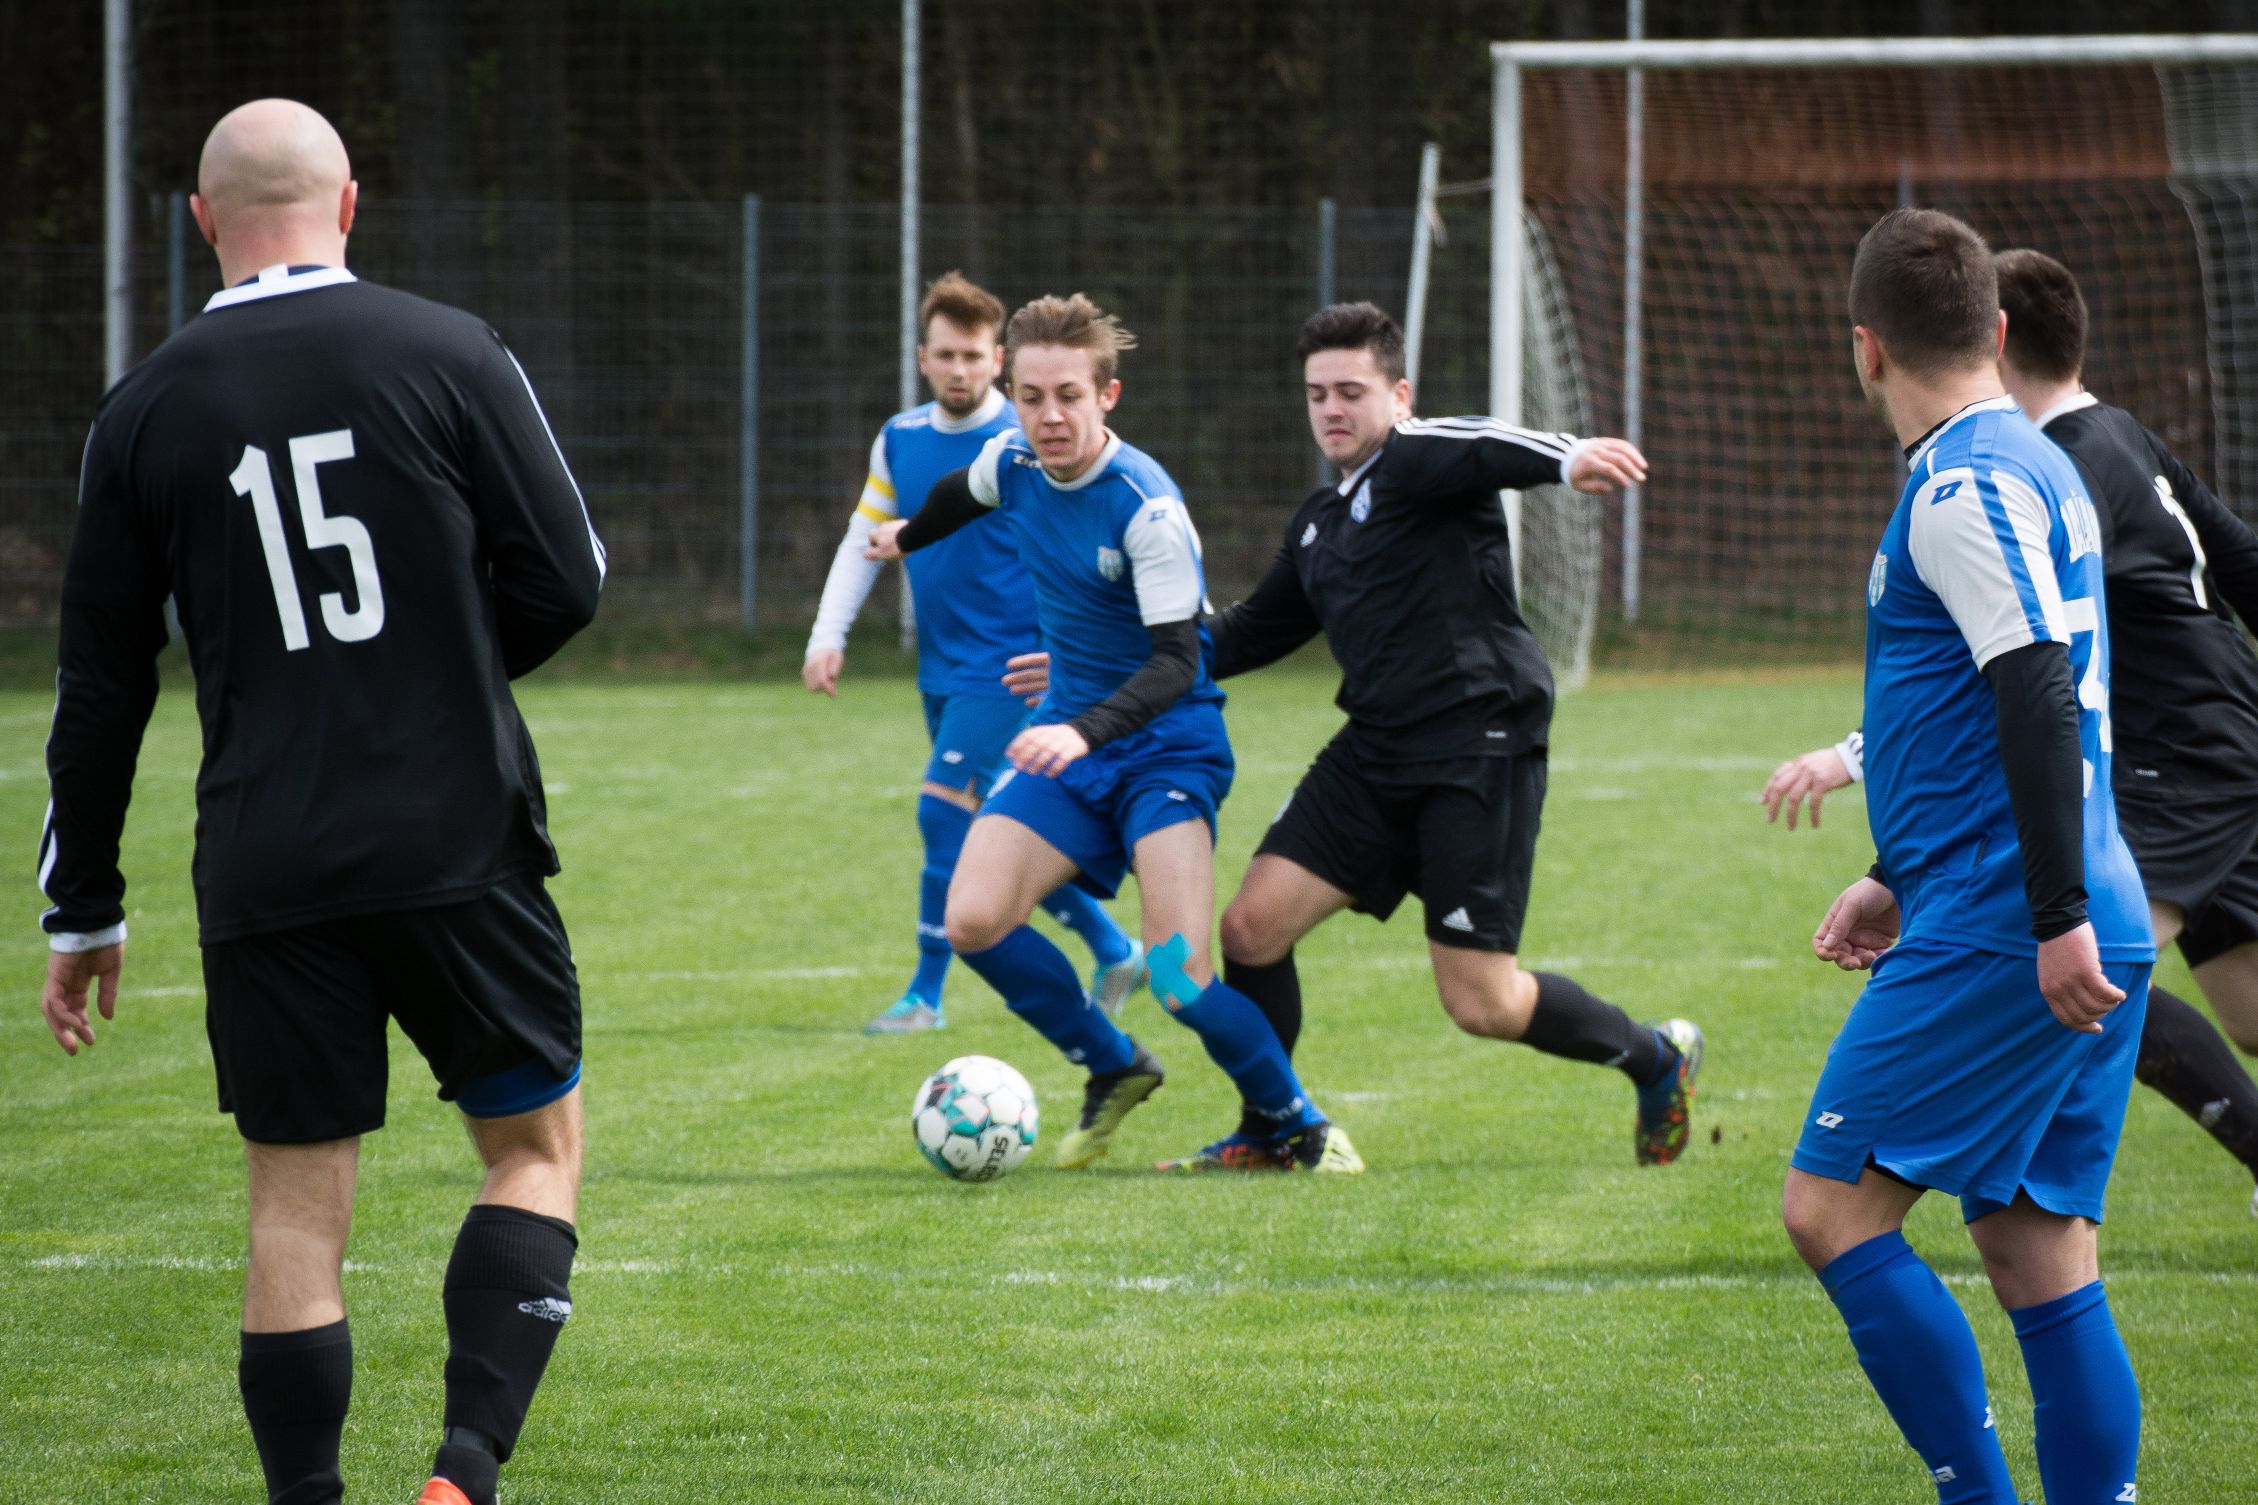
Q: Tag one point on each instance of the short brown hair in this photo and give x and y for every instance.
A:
(1074, 322)
(2046, 315)
(961, 301)
(1355, 326)
(1923, 284)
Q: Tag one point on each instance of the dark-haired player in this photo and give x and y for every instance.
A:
(2183, 704)
(975, 610)
(1436, 784)
(355, 500)
(1991, 1055)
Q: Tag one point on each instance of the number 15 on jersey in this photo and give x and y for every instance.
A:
(254, 477)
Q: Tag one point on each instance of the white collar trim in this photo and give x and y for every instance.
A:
(985, 413)
(274, 281)
(2000, 404)
(1097, 466)
(1349, 481)
(2074, 403)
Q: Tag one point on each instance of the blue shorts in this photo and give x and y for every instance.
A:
(1177, 769)
(1952, 1073)
(970, 733)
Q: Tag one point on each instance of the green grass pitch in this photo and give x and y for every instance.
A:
(778, 1301)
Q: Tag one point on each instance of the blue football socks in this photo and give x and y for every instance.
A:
(2087, 1404)
(1039, 984)
(1916, 1347)
(1240, 1040)
(1079, 911)
(943, 825)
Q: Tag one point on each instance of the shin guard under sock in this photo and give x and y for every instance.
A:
(1276, 990)
(1079, 911)
(1242, 1042)
(943, 824)
(1039, 985)
(1916, 1347)
(2086, 1408)
(296, 1389)
(507, 1298)
(2183, 1056)
(1570, 1022)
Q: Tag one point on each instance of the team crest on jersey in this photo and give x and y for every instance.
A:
(1361, 508)
(1110, 563)
(1309, 535)
(1877, 579)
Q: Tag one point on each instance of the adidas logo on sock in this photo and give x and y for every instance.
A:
(548, 1309)
(1458, 919)
(2212, 1113)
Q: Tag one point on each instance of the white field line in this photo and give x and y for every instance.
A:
(1151, 1284)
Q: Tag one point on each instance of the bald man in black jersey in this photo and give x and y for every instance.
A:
(2180, 570)
(369, 530)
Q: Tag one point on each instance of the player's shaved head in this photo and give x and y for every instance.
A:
(272, 156)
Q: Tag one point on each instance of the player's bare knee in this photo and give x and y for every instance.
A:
(1809, 1224)
(1252, 938)
(974, 926)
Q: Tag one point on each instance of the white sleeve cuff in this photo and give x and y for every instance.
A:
(1568, 461)
(70, 942)
(1852, 751)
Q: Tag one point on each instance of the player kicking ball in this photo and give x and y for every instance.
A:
(975, 610)
(1127, 762)
(1991, 1056)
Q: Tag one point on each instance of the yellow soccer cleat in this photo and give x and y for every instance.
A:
(1105, 1102)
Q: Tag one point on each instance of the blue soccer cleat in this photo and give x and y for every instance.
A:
(1110, 987)
(908, 1015)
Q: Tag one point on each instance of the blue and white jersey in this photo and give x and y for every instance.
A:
(1993, 546)
(1110, 552)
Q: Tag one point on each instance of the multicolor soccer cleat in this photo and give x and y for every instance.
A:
(442, 1492)
(907, 1015)
(1110, 987)
(1666, 1108)
(1106, 1101)
(1238, 1151)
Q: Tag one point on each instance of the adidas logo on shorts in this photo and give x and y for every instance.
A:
(1458, 919)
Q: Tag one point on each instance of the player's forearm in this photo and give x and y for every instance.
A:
(1265, 627)
(2229, 548)
(1158, 684)
(950, 505)
(846, 587)
(106, 687)
(541, 601)
(2037, 707)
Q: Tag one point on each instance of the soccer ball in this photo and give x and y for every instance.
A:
(974, 1118)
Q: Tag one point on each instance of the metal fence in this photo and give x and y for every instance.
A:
(634, 323)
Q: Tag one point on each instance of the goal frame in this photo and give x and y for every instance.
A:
(1508, 271)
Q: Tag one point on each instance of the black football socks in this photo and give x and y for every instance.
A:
(506, 1299)
(1276, 990)
(2183, 1056)
(296, 1388)
(1570, 1022)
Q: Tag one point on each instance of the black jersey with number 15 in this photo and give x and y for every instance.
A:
(1406, 566)
(357, 503)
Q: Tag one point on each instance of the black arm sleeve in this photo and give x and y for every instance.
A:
(1454, 456)
(1156, 686)
(113, 626)
(949, 506)
(1267, 625)
(2230, 549)
(2038, 745)
(546, 564)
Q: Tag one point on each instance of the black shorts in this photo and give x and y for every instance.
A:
(484, 988)
(2202, 856)
(1461, 835)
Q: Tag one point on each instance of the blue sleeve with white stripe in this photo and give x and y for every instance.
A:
(548, 565)
(1453, 456)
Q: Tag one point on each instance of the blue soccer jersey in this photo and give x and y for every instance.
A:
(975, 605)
(1111, 551)
(1993, 546)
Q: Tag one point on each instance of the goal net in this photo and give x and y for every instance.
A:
(1770, 476)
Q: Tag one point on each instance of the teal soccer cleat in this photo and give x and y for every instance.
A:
(1110, 987)
(908, 1015)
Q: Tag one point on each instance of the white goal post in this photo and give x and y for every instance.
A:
(1519, 290)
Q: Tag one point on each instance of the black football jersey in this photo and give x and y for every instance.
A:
(355, 500)
(2179, 568)
(1406, 566)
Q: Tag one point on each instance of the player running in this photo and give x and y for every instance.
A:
(2184, 707)
(1436, 784)
(1991, 1055)
(355, 500)
(975, 610)
(1126, 763)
